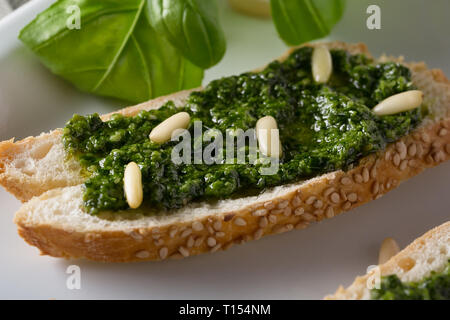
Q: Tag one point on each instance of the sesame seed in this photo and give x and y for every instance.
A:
(211, 241)
(136, 236)
(358, 178)
(413, 163)
(217, 247)
(289, 227)
(184, 252)
(308, 216)
(425, 137)
(310, 200)
(258, 234)
(301, 225)
(318, 204)
(217, 225)
(375, 187)
(263, 222)
(272, 218)
(328, 191)
(436, 144)
(210, 229)
(240, 222)
(296, 201)
(277, 211)
(378, 196)
(163, 252)
(220, 234)
(419, 150)
(287, 211)
(346, 181)
(283, 204)
(365, 175)
(439, 156)
(412, 150)
(329, 212)
(373, 171)
(443, 132)
(143, 254)
(347, 205)
(352, 197)
(260, 212)
(403, 165)
(396, 160)
(198, 242)
(269, 205)
(186, 233)
(197, 226)
(299, 211)
(190, 242)
(401, 148)
(335, 197)
(173, 232)
(387, 155)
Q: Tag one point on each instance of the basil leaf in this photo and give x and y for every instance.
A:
(115, 53)
(299, 21)
(192, 26)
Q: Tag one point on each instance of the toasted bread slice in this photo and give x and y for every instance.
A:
(428, 253)
(54, 220)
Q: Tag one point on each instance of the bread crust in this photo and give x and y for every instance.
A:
(400, 263)
(306, 202)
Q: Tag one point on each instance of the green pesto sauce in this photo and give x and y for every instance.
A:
(434, 287)
(322, 128)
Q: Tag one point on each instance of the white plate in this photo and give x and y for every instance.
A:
(300, 264)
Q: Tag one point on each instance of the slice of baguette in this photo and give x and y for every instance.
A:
(55, 221)
(428, 253)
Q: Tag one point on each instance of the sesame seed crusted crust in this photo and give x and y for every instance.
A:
(302, 204)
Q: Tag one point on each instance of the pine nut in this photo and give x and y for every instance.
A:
(132, 185)
(322, 64)
(388, 249)
(399, 102)
(268, 137)
(163, 131)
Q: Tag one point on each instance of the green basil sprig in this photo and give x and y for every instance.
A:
(136, 50)
(299, 21)
(116, 52)
(192, 26)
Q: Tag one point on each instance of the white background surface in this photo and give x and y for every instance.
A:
(304, 264)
